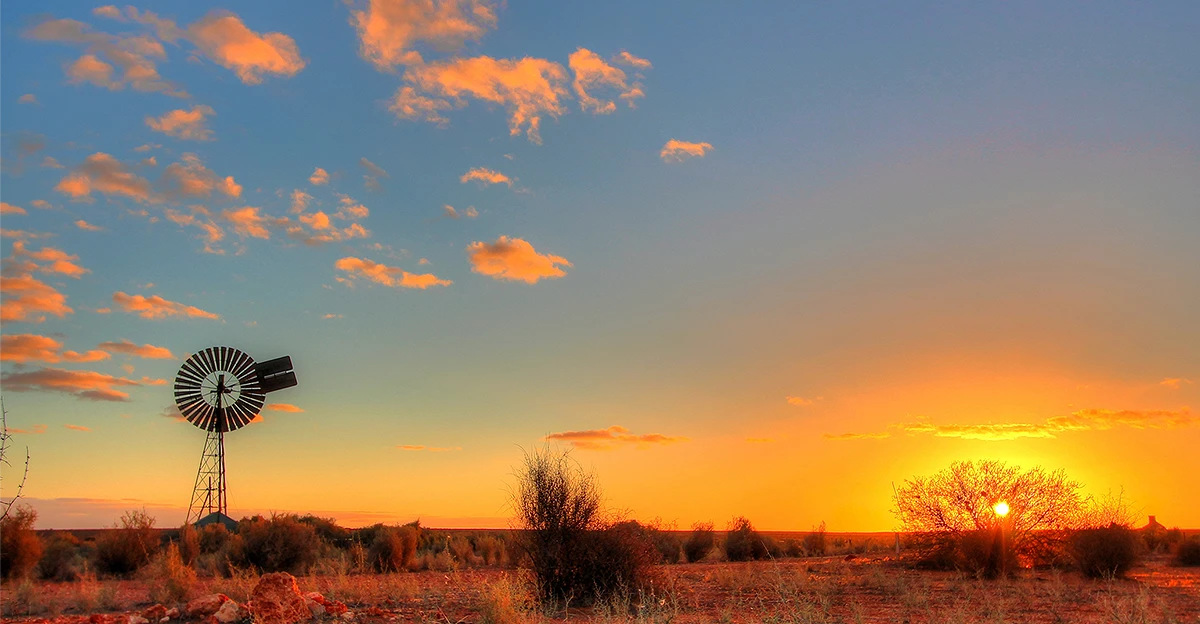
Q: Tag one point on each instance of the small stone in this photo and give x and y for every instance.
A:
(205, 605)
(315, 608)
(228, 613)
(172, 613)
(155, 613)
(137, 619)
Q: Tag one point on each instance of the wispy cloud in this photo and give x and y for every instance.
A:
(80, 384)
(611, 438)
(485, 177)
(183, 124)
(679, 151)
(102, 173)
(77, 427)
(373, 174)
(514, 259)
(394, 277)
(593, 75)
(1082, 420)
(146, 351)
(1174, 383)
(88, 227)
(21, 348)
(9, 209)
(319, 177)
(282, 407)
(155, 307)
(799, 401)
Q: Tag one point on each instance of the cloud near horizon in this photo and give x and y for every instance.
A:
(393, 277)
(514, 259)
(80, 384)
(611, 438)
(1082, 420)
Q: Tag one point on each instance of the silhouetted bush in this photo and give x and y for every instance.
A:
(20, 548)
(576, 556)
(742, 542)
(123, 550)
(392, 548)
(1188, 552)
(327, 530)
(281, 544)
(169, 578)
(213, 538)
(62, 559)
(700, 542)
(666, 540)
(814, 543)
(1107, 552)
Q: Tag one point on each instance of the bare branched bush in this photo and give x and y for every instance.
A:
(700, 542)
(814, 543)
(951, 512)
(577, 556)
(125, 549)
(20, 547)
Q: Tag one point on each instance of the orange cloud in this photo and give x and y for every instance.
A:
(611, 438)
(102, 173)
(592, 73)
(799, 401)
(22, 348)
(411, 105)
(106, 53)
(155, 307)
(528, 89)
(1082, 420)
(80, 384)
(35, 430)
(679, 151)
(190, 178)
(183, 124)
(222, 37)
(88, 227)
(331, 316)
(28, 299)
(856, 436)
(9, 209)
(282, 407)
(349, 209)
(28, 98)
(77, 427)
(300, 201)
(388, 29)
(514, 259)
(431, 449)
(248, 222)
(52, 261)
(485, 177)
(394, 277)
(146, 351)
(211, 233)
(319, 177)
(625, 58)
(1174, 382)
(450, 212)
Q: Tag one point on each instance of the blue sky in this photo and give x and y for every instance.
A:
(973, 216)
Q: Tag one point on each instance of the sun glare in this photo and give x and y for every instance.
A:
(1001, 509)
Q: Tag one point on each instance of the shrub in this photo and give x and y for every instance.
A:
(122, 551)
(1106, 552)
(1188, 553)
(814, 543)
(213, 538)
(281, 544)
(170, 579)
(189, 543)
(393, 548)
(20, 547)
(700, 542)
(742, 542)
(61, 560)
(491, 550)
(576, 556)
(327, 530)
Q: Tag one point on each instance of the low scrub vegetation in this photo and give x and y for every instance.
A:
(20, 547)
(124, 550)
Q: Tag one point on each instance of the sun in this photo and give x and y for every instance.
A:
(1001, 509)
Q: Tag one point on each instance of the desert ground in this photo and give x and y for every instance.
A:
(867, 588)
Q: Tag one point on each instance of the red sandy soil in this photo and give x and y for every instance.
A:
(829, 589)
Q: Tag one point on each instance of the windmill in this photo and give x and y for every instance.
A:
(221, 389)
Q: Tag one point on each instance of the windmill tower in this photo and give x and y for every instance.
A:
(221, 389)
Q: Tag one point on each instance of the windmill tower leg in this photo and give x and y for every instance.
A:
(208, 494)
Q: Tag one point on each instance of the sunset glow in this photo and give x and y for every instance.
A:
(742, 260)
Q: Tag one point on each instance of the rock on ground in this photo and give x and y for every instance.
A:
(205, 606)
(277, 600)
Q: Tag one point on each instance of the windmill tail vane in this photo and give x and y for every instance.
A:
(221, 389)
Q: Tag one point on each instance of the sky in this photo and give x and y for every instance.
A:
(763, 260)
